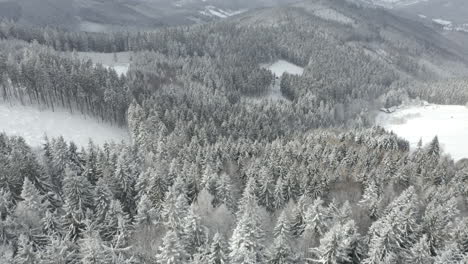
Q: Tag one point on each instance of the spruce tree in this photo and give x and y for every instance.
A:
(419, 253)
(194, 234)
(218, 250)
(25, 253)
(280, 252)
(146, 214)
(246, 244)
(172, 250)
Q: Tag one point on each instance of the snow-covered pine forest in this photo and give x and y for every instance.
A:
(210, 178)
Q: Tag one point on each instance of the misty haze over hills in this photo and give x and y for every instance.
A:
(101, 15)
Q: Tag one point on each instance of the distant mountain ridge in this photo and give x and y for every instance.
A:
(104, 15)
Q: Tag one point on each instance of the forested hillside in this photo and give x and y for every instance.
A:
(216, 172)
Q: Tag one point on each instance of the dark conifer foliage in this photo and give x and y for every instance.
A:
(215, 171)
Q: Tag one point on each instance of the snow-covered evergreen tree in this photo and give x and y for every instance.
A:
(218, 252)
(146, 214)
(246, 244)
(280, 251)
(172, 250)
(194, 234)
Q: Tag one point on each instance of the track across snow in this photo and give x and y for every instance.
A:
(32, 124)
(448, 122)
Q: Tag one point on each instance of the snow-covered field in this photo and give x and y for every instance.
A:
(281, 66)
(333, 15)
(32, 124)
(119, 61)
(221, 13)
(448, 122)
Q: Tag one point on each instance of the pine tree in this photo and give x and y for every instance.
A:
(51, 224)
(209, 180)
(371, 200)
(115, 217)
(419, 253)
(157, 189)
(437, 217)
(460, 233)
(146, 214)
(298, 222)
(102, 200)
(173, 211)
(317, 220)
(337, 245)
(126, 181)
(434, 148)
(395, 231)
(224, 193)
(218, 250)
(451, 254)
(246, 244)
(194, 234)
(172, 250)
(25, 253)
(73, 223)
(92, 250)
(6, 203)
(59, 251)
(266, 190)
(78, 192)
(31, 197)
(280, 251)
(278, 194)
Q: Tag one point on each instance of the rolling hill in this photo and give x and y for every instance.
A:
(104, 15)
(395, 39)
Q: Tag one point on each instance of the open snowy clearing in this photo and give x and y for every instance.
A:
(281, 66)
(448, 122)
(217, 12)
(32, 124)
(119, 61)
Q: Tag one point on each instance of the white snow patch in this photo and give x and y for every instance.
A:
(32, 124)
(448, 122)
(281, 66)
(422, 16)
(119, 61)
(442, 22)
(394, 3)
(221, 13)
(333, 15)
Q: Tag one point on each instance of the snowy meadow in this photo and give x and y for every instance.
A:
(424, 122)
(33, 124)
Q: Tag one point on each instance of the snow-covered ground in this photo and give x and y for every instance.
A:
(119, 61)
(442, 22)
(448, 122)
(394, 3)
(221, 13)
(333, 15)
(279, 68)
(32, 124)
